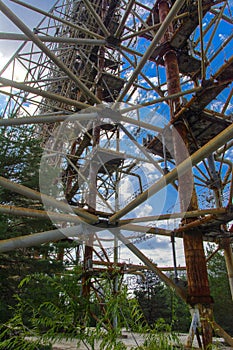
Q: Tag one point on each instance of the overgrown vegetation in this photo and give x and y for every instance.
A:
(161, 336)
(61, 312)
(157, 301)
(220, 290)
(19, 162)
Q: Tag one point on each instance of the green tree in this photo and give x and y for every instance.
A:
(153, 298)
(19, 162)
(64, 313)
(158, 301)
(220, 290)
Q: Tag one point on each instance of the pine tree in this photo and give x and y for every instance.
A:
(158, 301)
(19, 162)
(220, 290)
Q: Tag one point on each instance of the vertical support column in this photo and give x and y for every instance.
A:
(229, 264)
(116, 241)
(88, 251)
(87, 261)
(228, 254)
(115, 282)
(173, 79)
(174, 259)
(170, 59)
(198, 285)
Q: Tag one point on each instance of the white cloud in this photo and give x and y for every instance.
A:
(154, 80)
(156, 249)
(222, 37)
(126, 190)
(144, 210)
(14, 71)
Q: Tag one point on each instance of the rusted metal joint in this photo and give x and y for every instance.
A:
(205, 300)
(224, 242)
(113, 41)
(167, 2)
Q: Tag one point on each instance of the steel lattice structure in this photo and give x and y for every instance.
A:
(129, 93)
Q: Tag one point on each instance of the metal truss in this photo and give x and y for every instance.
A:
(116, 90)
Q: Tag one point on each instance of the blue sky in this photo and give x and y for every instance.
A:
(30, 18)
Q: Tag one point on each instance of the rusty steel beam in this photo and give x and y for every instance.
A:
(98, 19)
(175, 8)
(135, 266)
(36, 239)
(188, 214)
(173, 79)
(218, 141)
(150, 264)
(92, 195)
(32, 194)
(227, 248)
(121, 25)
(53, 39)
(136, 122)
(193, 224)
(142, 31)
(220, 331)
(43, 93)
(161, 99)
(146, 229)
(35, 213)
(151, 28)
(40, 119)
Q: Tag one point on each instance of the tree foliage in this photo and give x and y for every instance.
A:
(60, 311)
(158, 302)
(220, 290)
(19, 162)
